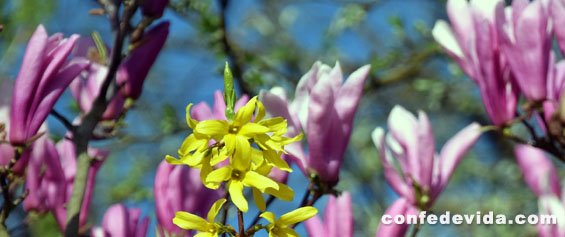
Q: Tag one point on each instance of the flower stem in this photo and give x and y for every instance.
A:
(258, 216)
(240, 223)
(415, 230)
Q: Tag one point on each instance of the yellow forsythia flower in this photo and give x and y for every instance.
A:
(283, 227)
(205, 228)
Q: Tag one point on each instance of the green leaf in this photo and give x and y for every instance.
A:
(229, 92)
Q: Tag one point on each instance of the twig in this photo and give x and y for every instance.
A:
(66, 122)
(240, 223)
(258, 216)
(226, 211)
(83, 133)
(5, 184)
(416, 229)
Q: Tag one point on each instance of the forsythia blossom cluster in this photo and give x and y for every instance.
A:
(239, 152)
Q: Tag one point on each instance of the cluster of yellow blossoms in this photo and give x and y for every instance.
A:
(239, 152)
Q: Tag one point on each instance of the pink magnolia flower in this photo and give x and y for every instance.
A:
(557, 12)
(473, 42)
(324, 107)
(45, 180)
(44, 75)
(178, 188)
(423, 174)
(555, 86)
(541, 176)
(50, 177)
(399, 207)
(525, 37)
(68, 159)
(6, 151)
(549, 204)
(86, 87)
(154, 8)
(120, 221)
(135, 67)
(338, 219)
(539, 173)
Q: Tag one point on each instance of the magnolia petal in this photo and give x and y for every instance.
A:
(202, 111)
(453, 151)
(399, 207)
(539, 172)
(315, 228)
(391, 175)
(443, 34)
(349, 96)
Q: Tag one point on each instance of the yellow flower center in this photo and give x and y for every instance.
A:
(233, 129)
(236, 174)
(275, 230)
(212, 228)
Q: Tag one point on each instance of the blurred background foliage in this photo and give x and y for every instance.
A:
(272, 43)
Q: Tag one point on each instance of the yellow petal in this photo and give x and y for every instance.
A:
(288, 232)
(229, 141)
(242, 156)
(294, 139)
(212, 127)
(257, 156)
(260, 111)
(189, 120)
(196, 159)
(216, 207)
(190, 144)
(236, 193)
(284, 192)
(219, 175)
(254, 179)
(269, 216)
(189, 221)
(218, 156)
(275, 159)
(205, 234)
(251, 129)
(274, 124)
(262, 168)
(259, 200)
(173, 161)
(245, 113)
(298, 215)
